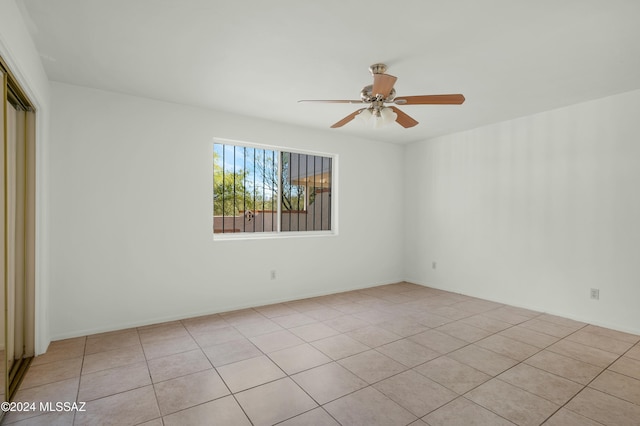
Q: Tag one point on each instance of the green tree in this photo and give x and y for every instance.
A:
(292, 195)
(257, 189)
(230, 194)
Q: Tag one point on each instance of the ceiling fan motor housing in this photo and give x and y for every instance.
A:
(367, 95)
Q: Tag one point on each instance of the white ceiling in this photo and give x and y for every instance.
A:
(254, 57)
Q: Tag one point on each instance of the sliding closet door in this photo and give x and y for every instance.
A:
(14, 175)
(28, 311)
(18, 232)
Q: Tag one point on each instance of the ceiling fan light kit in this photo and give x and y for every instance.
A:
(378, 117)
(381, 92)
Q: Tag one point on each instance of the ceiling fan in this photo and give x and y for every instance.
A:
(381, 92)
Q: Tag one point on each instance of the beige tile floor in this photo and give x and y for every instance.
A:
(398, 354)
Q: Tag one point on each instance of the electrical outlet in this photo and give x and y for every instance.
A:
(595, 293)
(273, 274)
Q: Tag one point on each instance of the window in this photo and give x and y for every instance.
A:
(264, 190)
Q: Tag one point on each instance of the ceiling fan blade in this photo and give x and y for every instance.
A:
(456, 99)
(403, 119)
(334, 101)
(382, 84)
(347, 119)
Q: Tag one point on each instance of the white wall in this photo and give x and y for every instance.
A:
(534, 212)
(131, 215)
(20, 54)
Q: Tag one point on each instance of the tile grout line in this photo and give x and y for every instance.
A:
(84, 351)
(153, 386)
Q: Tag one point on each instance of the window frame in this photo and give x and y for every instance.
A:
(279, 149)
